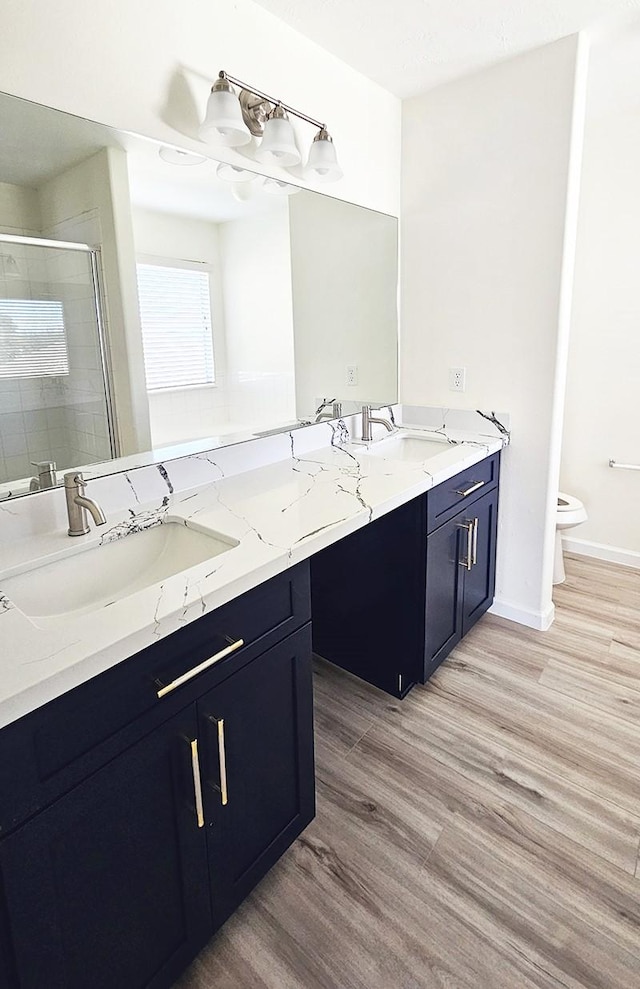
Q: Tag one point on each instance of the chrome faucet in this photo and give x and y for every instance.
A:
(78, 505)
(336, 410)
(46, 475)
(368, 420)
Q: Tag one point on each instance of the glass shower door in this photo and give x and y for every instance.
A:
(55, 400)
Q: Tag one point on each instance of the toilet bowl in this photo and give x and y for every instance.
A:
(570, 511)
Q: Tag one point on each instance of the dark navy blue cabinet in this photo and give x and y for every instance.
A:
(392, 600)
(258, 771)
(460, 581)
(120, 879)
(106, 887)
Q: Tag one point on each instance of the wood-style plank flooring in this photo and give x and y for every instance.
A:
(481, 834)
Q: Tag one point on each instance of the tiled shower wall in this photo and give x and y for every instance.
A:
(86, 427)
(54, 418)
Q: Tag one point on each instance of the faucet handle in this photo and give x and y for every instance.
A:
(74, 479)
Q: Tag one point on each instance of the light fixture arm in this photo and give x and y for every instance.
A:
(270, 99)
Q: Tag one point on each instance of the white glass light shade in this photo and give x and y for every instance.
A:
(277, 188)
(234, 173)
(278, 146)
(323, 163)
(174, 156)
(243, 191)
(223, 124)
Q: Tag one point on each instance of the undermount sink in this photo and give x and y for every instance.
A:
(408, 446)
(98, 575)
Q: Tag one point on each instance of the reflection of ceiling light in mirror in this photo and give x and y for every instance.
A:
(277, 188)
(234, 173)
(176, 157)
(242, 191)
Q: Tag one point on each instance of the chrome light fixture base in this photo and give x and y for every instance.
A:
(255, 111)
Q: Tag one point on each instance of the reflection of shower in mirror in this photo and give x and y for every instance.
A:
(55, 392)
(9, 267)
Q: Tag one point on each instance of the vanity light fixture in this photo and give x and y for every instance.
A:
(323, 162)
(223, 123)
(278, 145)
(232, 121)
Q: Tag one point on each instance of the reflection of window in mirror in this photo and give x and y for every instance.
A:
(33, 340)
(178, 341)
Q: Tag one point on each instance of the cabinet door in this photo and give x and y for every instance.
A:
(108, 886)
(445, 575)
(480, 581)
(257, 733)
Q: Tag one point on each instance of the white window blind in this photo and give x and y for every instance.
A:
(33, 340)
(175, 312)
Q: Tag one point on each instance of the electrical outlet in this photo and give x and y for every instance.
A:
(457, 378)
(352, 374)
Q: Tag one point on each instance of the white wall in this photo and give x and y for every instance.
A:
(602, 412)
(255, 254)
(486, 165)
(19, 210)
(148, 67)
(345, 307)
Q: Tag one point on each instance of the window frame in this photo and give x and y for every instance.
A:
(60, 372)
(161, 261)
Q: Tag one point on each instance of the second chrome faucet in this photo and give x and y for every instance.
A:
(368, 420)
(78, 505)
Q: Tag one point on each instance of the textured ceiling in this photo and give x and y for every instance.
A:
(412, 45)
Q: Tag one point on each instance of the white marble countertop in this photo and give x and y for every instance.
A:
(280, 513)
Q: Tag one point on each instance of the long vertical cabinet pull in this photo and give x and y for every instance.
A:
(197, 784)
(467, 563)
(222, 758)
(474, 551)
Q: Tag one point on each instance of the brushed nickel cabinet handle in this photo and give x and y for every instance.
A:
(164, 690)
(222, 759)
(475, 485)
(197, 784)
(474, 551)
(468, 527)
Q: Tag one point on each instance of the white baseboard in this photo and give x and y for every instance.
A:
(613, 554)
(532, 619)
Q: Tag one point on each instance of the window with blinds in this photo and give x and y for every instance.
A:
(175, 312)
(33, 339)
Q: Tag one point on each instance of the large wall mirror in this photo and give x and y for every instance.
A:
(154, 302)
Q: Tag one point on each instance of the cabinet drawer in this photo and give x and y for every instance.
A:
(452, 496)
(50, 750)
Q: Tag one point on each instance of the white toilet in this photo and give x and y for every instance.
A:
(570, 512)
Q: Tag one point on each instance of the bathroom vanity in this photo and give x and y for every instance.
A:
(136, 821)
(163, 759)
(392, 600)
